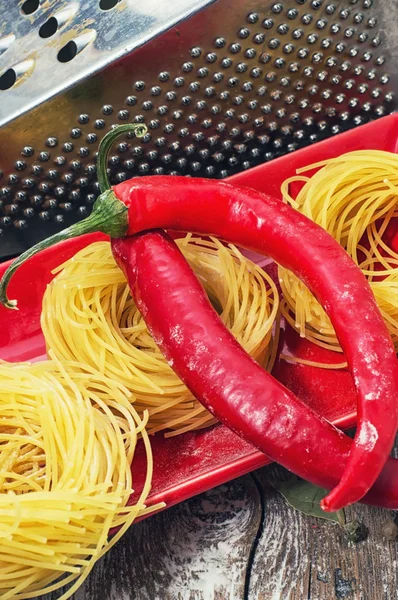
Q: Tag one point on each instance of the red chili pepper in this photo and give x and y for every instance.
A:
(232, 386)
(264, 224)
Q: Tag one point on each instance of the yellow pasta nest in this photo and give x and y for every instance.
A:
(67, 441)
(89, 316)
(354, 197)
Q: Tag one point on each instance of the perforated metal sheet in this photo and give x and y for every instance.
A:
(47, 46)
(235, 85)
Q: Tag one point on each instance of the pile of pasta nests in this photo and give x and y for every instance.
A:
(67, 440)
(69, 425)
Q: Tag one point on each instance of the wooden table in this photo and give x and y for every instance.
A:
(241, 541)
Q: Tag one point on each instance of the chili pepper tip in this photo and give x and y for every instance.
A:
(329, 506)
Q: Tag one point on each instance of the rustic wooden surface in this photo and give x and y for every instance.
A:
(241, 541)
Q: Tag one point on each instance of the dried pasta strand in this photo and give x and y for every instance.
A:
(81, 429)
(89, 316)
(355, 198)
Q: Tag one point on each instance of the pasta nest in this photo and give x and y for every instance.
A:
(89, 316)
(67, 441)
(355, 198)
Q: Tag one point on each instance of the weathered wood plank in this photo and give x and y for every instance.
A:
(300, 557)
(281, 567)
(202, 550)
(198, 550)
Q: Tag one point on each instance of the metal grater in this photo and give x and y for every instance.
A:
(234, 85)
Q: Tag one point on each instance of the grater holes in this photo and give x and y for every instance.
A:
(244, 33)
(250, 53)
(67, 52)
(108, 4)
(16, 73)
(11, 210)
(13, 179)
(51, 142)
(220, 42)
(259, 38)
(83, 118)
(8, 79)
(20, 224)
(358, 17)
(30, 6)
(74, 47)
(277, 8)
(212, 115)
(49, 28)
(98, 124)
(292, 13)
(252, 17)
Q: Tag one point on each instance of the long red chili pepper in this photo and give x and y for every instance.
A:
(232, 386)
(264, 224)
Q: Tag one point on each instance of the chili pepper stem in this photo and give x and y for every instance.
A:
(340, 514)
(109, 215)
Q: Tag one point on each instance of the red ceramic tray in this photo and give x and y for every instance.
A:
(194, 462)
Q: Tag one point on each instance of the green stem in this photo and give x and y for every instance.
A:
(109, 215)
(341, 517)
(106, 144)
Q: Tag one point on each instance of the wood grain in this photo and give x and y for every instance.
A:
(300, 557)
(242, 541)
(195, 551)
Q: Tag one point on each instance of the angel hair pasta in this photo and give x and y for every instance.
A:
(89, 316)
(355, 198)
(67, 441)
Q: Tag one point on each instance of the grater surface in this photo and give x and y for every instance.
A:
(234, 85)
(47, 46)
